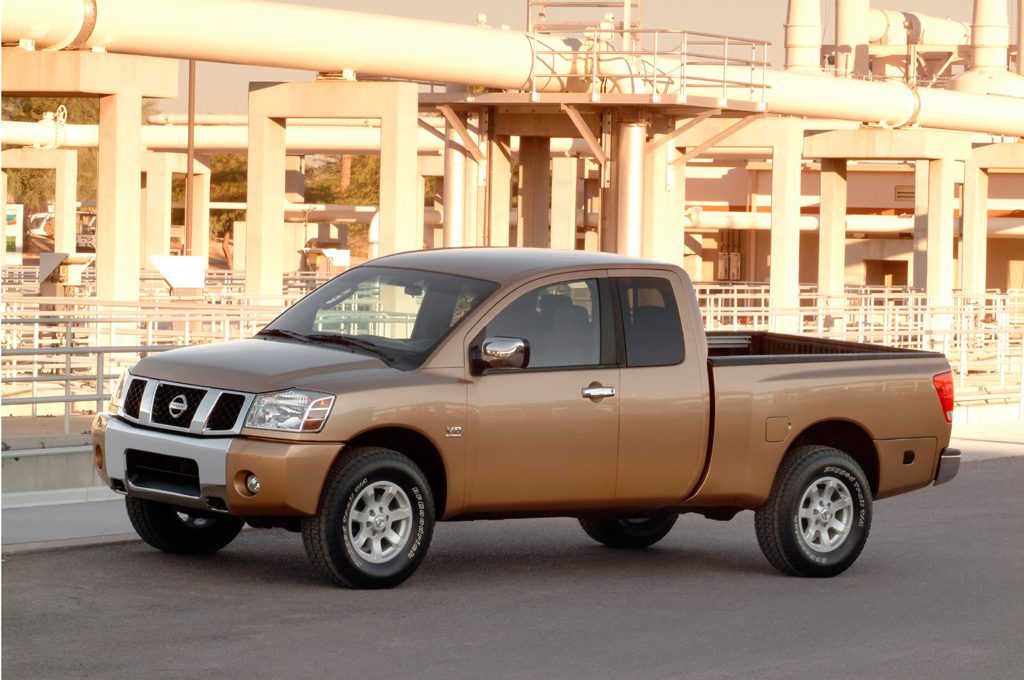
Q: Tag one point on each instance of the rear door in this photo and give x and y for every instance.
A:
(536, 440)
(663, 388)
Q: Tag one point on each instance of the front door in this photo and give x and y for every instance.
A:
(545, 437)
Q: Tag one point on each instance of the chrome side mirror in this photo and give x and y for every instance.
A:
(503, 353)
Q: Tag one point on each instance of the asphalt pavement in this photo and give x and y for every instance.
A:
(938, 593)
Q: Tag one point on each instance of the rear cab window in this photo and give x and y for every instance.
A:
(652, 332)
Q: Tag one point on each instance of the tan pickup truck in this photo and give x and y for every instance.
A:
(500, 383)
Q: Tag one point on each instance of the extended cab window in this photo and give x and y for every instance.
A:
(650, 320)
(399, 315)
(561, 323)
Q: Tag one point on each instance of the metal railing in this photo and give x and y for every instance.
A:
(662, 63)
(69, 354)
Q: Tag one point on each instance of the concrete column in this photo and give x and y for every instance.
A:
(201, 209)
(630, 188)
(471, 213)
(294, 233)
(499, 189)
(264, 220)
(941, 234)
(454, 190)
(157, 230)
(832, 233)
(663, 208)
(784, 272)
(65, 218)
(421, 200)
(534, 161)
(564, 174)
(919, 275)
(398, 229)
(609, 202)
(592, 206)
(295, 179)
(975, 231)
(118, 197)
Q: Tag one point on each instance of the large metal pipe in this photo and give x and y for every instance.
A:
(1020, 37)
(893, 27)
(454, 191)
(234, 138)
(292, 36)
(439, 51)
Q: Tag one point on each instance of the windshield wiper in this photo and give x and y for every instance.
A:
(365, 345)
(282, 333)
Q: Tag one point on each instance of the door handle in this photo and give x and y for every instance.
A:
(598, 392)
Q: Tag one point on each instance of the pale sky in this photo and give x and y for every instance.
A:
(223, 88)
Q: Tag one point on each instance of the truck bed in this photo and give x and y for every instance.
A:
(736, 348)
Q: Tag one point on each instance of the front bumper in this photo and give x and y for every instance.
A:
(949, 465)
(209, 473)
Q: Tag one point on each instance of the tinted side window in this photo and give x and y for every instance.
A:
(561, 323)
(650, 320)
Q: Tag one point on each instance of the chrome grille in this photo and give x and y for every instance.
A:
(175, 405)
(200, 410)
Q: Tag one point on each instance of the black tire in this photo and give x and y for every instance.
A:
(819, 492)
(355, 495)
(179, 530)
(630, 533)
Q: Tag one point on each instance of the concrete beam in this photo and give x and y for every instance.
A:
(879, 143)
(50, 73)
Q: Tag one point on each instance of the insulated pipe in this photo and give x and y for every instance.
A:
(234, 138)
(892, 27)
(852, 37)
(294, 36)
(803, 35)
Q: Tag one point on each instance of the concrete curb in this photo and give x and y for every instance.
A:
(13, 549)
(83, 494)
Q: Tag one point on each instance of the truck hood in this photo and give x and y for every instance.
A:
(255, 365)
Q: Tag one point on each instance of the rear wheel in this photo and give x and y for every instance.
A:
(818, 515)
(375, 520)
(639, 532)
(179, 530)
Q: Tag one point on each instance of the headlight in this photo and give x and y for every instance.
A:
(117, 396)
(291, 411)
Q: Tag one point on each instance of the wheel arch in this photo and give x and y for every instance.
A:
(419, 448)
(848, 437)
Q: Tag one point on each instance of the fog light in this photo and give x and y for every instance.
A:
(252, 483)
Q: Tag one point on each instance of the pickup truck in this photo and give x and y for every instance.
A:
(460, 384)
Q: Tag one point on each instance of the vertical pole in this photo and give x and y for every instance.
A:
(264, 198)
(921, 204)
(941, 236)
(64, 240)
(191, 154)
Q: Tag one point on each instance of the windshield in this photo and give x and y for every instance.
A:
(398, 315)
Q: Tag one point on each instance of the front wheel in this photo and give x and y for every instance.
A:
(818, 515)
(179, 530)
(375, 520)
(639, 532)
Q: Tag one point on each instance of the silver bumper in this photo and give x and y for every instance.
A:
(208, 453)
(949, 465)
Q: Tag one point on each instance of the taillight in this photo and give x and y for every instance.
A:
(944, 388)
